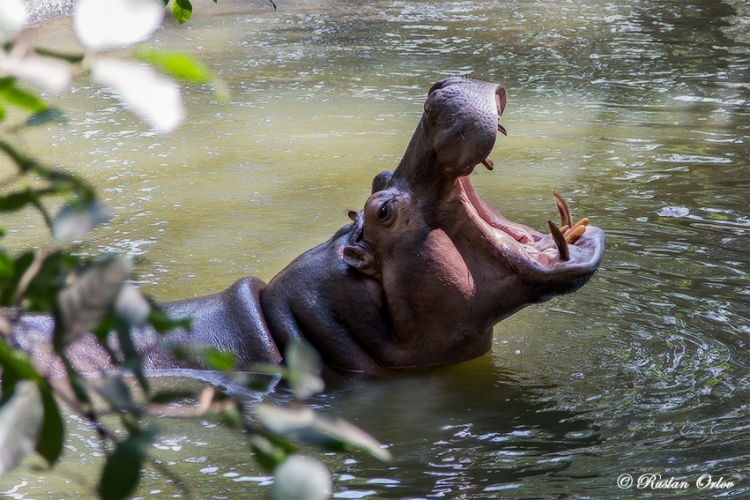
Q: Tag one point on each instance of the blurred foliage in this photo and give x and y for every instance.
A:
(93, 297)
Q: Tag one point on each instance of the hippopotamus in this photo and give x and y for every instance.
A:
(417, 278)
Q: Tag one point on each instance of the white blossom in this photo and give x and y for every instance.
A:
(153, 98)
(13, 18)
(110, 24)
(50, 74)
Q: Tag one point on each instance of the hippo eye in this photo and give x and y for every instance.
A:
(383, 211)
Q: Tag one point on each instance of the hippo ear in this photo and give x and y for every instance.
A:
(501, 99)
(360, 258)
(380, 182)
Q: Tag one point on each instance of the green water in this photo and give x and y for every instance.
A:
(637, 111)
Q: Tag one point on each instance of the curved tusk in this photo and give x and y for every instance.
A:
(562, 206)
(488, 163)
(562, 245)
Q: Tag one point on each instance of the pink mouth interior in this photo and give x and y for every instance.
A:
(487, 212)
(530, 244)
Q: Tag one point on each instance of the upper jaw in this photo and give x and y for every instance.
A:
(530, 252)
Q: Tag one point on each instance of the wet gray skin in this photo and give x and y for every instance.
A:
(418, 278)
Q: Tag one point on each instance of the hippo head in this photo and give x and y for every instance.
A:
(449, 265)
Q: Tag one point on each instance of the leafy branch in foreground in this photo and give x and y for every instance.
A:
(91, 299)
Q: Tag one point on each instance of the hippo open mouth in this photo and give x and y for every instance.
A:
(569, 246)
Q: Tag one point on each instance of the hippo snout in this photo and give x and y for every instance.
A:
(461, 120)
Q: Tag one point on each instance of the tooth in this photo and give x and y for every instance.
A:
(562, 245)
(562, 206)
(488, 163)
(502, 130)
(582, 222)
(575, 233)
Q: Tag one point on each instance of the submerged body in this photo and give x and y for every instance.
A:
(418, 278)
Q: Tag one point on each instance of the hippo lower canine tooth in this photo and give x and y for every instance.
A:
(562, 244)
(566, 219)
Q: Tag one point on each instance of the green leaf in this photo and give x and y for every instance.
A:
(11, 273)
(261, 382)
(7, 82)
(123, 467)
(51, 439)
(2, 112)
(75, 221)
(117, 394)
(162, 322)
(46, 116)
(283, 421)
(41, 292)
(178, 64)
(222, 361)
(230, 417)
(20, 421)
(303, 424)
(85, 303)
(66, 184)
(210, 357)
(19, 199)
(19, 364)
(304, 365)
(183, 67)
(102, 330)
(182, 10)
(349, 437)
(8, 379)
(132, 359)
(266, 453)
(22, 162)
(19, 97)
(77, 383)
(131, 305)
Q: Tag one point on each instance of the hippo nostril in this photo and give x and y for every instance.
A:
(501, 99)
(430, 97)
(437, 85)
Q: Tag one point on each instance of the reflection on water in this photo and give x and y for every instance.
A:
(636, 111)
